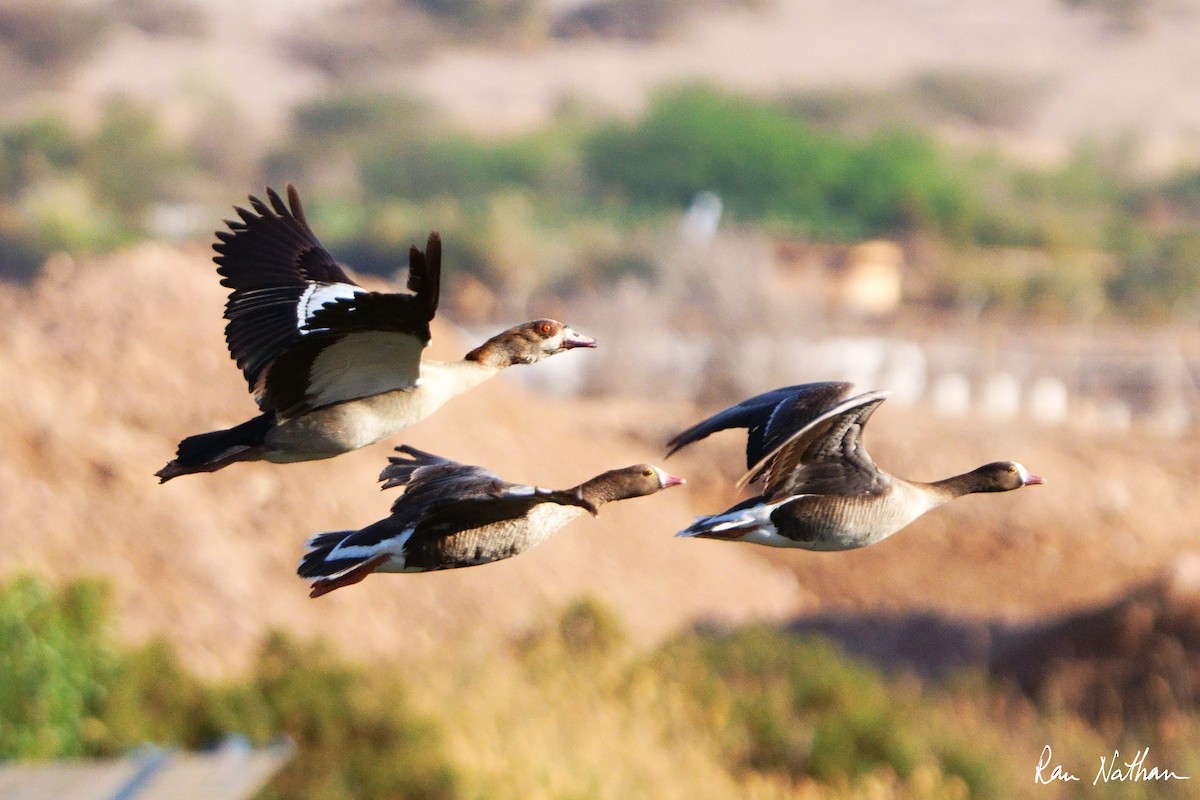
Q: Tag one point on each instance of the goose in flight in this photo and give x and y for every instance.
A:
(821, 490)
(334, 366)
(455, 515)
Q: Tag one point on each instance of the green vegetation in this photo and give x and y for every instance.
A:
(1076, 238)
(81, 191)
(57, 658)
(68, 689)
(768, 165)
(570, 710)
(800, 708)
(519, 212)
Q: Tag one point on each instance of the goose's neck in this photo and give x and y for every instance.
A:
(493, 353)
(449, 379)
(598, 490)
(956, 486)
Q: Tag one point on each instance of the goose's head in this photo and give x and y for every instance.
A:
(529, 343)
(1004, 476)
(638, 480)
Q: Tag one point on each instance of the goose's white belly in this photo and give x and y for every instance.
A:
(332, 430)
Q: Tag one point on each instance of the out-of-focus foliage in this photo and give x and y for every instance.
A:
(767, 164)
(82, 190)
(800, 708)
(574, 708)
(57, 661)
(162, 17)
(568, 205)
(67, 689)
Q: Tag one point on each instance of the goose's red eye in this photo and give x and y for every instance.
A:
(546, 328)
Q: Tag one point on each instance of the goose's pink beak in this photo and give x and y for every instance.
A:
(572, 339)
(671, 480)
(1034, 479)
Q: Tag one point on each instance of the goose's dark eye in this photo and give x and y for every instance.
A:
(646, 473)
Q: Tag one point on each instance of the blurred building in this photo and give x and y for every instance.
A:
(233, 771)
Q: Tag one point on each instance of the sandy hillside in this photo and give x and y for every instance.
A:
(107, 363)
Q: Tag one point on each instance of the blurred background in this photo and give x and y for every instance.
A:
(992, 210)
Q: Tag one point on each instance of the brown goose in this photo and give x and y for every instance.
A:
(333, 366)
(821, 490)
(454, 515)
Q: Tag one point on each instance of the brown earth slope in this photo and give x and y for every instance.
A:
(106, 363)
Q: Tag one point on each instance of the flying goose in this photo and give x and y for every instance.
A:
(821, 489)
(334, 366)
(454, 515)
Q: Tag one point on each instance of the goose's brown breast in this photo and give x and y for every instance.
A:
(493, 542)
(833, 522)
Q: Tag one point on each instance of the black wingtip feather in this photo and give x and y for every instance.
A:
(276, 201)
(293, 196)
(425, 274)
(757, 413)
(399, 470)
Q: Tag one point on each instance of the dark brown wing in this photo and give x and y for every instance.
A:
(825, 456)
(443, 497)
(769, 418)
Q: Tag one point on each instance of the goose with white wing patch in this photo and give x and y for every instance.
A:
(455, 515)
(334, 366)
(821, 489)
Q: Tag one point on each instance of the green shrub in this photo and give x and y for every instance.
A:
(352, 120)
(152, 698)
(33, 151)
(67, 690)
(128, 162)
(447, 166)
(56, 662)
(354, 734)
(766, 164)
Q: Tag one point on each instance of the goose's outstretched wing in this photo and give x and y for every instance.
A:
(769, 418)
(824, 456)
(303, 333)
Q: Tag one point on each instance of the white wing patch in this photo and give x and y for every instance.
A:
(362, 364)
(318, 295)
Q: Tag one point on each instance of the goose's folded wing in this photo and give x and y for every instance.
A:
(432, 479)
(824, 456)
(512, 504)
(765, 416)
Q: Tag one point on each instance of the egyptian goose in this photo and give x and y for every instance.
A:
(454, 515)
(333, 366)
(821, 490)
